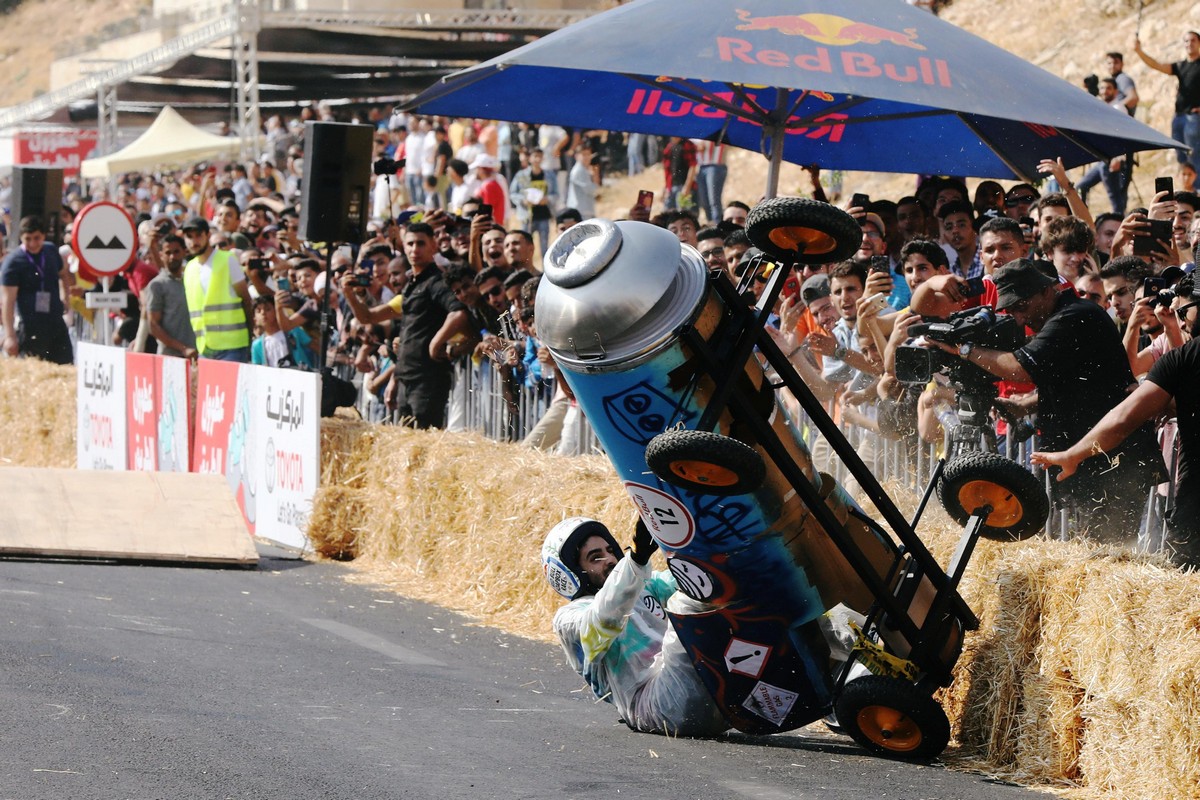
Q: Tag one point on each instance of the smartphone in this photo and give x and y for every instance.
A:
(1152, 286)
(1148, 243)
(880, 264)
(284, 284)
(646, 199)
(878, 300)
(859, 200)
(791, 286)
(259, 264)
(484, 208)
(1165, 185)
(974, 287)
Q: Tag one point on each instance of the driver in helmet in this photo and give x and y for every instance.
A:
(615, 631)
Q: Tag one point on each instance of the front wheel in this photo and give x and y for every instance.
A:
(893, 718)
(701, 461)
(799, 230)
(975, 481)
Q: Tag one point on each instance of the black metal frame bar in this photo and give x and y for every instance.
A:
(744, 330)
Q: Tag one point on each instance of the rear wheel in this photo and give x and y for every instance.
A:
(1015, 496)
(706, 462)
(893, 718)
(806, 231)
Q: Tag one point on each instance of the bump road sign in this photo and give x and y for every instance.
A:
(104, 237)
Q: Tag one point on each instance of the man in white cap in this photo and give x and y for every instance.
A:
(492, 188)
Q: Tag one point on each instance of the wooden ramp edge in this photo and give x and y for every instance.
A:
(143, 516)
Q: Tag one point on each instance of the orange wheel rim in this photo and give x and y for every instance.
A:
(1006, 508)
(803, 240)
(889, 728)
(704, 472)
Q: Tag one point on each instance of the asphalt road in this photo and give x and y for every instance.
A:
(124, 681)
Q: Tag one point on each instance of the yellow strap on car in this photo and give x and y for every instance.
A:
(872, 656)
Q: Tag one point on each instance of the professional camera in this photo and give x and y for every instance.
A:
(981, 327)
(387, 166)
(974, 386)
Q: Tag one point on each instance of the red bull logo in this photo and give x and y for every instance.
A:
(654, 102)
(829, 29)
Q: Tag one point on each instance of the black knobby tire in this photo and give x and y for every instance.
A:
(893, 718)
(1019, 502)
(706, 462)
(805, 231)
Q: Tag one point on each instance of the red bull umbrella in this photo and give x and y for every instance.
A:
(871, 85)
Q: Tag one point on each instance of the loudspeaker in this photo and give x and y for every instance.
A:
(335, 189)
(37, 192)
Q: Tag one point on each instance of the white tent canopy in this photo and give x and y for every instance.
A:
(170, 140)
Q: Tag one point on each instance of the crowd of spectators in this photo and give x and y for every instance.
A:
(444, 287)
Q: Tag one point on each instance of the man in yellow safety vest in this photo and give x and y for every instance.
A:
(217, 296)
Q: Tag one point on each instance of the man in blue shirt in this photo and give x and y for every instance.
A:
(35, 280)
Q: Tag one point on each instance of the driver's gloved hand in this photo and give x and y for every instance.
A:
(643, 543)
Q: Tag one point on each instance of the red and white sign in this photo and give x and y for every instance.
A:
(104, 237)
(746, 658)
(669, 522)
(141, 419)
(65, 149)
(224, 437)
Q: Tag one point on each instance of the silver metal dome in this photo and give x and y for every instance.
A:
(615, 291)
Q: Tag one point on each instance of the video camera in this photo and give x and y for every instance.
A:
(387, 166)
(981, 327)
(974, 386)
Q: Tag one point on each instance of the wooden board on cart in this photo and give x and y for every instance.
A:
(140, 516)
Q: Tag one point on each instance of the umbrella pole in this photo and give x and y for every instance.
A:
(776, 129)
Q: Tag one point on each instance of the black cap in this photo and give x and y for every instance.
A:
(1019, 280)
(195, 223)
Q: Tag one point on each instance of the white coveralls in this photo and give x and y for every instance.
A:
(621, 642)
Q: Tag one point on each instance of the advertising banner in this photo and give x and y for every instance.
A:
(62, 149)
(224, 431)
(171, 407)
(141, 420)
(288, 429)
(100, 441)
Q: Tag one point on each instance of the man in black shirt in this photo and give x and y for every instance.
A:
(1174, 376)
(1079, 365)
(429, 318)
(1185, 126)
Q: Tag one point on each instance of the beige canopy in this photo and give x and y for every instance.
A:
(169, 141)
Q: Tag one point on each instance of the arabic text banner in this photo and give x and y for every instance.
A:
(100, 441)
(287, 428)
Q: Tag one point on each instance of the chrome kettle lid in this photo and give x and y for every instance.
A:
(614, 290)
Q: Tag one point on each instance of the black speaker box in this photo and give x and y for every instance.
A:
(335, 190)
(37, 192)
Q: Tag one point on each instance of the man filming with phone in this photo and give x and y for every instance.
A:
(1079, 365)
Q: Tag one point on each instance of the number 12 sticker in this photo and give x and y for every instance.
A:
(667, 519)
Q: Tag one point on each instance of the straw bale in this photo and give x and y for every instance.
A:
(456, 518)
(37, 413)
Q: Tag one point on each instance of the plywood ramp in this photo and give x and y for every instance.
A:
(144, 516)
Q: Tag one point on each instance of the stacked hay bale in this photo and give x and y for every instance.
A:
(37, 413)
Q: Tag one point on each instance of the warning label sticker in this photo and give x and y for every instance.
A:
(746, 658)
(770, 702)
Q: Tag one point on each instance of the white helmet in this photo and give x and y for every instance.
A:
(560, 555)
